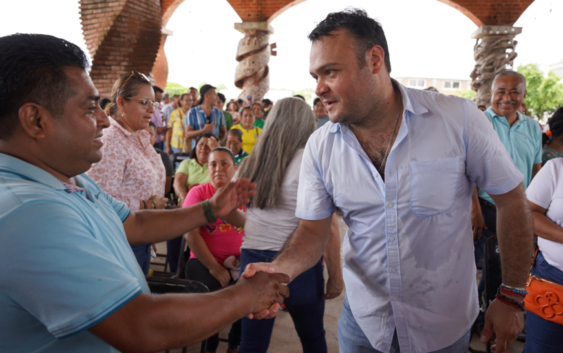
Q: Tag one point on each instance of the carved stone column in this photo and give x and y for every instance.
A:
(494, 52)
(253, 55)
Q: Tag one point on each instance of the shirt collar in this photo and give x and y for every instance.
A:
(119, 127)
(29, 171)
(521, 117)
(409, 104)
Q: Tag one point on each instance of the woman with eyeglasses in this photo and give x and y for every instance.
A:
(177, 122)
(130, 170)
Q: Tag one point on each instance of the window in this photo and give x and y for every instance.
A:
(451, 85)
(417, 83)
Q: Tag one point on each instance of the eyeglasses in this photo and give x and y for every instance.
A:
(147, 103)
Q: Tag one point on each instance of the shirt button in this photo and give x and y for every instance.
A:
(391, 238)
(393, 270)
(390, 204)
(395, 298)
(376, 175)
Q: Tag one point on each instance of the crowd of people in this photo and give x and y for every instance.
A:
(422, 180)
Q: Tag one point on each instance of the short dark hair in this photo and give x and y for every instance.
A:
(193, 154)
(222, 97)
(299, 96)
(236, 133)
(316, 100)
(189, 89)
(157, 89)
(152, 124)
(226, 150)
(267, 101)
(32, 70)
(104, 102)
(555, 126)
(367, 32)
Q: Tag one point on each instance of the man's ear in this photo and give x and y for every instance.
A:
(376, 58)
(34, 120)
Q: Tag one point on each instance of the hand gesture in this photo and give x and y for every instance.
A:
(208, 127)
(212, 143)
(250, 271)
(221, 274)
(334, 287)
(268, 291)
(477, 224)
(507, 322)
(160, 202)
(231, 196)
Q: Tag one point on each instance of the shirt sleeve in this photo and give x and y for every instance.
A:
(313, 200)
(119, 207)
(542, 188)
(488, 164)
(190, 118)
(183, 167)
(65, 277)
(195, 195)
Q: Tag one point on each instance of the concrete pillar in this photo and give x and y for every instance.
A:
(253, 54)
(494, 52)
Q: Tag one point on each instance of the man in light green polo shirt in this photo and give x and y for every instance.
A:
(522, 138)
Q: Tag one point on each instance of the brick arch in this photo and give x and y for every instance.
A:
(121, 35)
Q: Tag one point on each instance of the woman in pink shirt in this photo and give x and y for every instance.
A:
(213, 243)
(130, 169)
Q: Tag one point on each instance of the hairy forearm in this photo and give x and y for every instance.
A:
(304, 248)
(546, 228)
(515, 236)
(332, 250)
(154, 226)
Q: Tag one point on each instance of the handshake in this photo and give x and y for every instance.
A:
(264, 289)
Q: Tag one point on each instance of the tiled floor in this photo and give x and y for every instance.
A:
(285, 339)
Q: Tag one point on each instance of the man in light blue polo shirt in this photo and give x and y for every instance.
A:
(522, 138)
(69, 281)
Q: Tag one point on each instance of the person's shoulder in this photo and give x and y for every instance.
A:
(237, 126)
(554, 163)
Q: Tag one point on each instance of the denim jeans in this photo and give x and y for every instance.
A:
(143, 256)
(173, 249)
(351, 338)
(543, 336)
(305, 305)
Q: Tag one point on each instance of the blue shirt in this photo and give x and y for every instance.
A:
(523, 142)
(66, 263)
(197, 119)
(408, 251)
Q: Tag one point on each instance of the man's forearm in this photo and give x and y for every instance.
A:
(304, 248)
(190, 134)
(332, 250)
(154, 226)
(174, 320)
(515, 236)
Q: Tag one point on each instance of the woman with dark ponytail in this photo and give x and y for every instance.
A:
(552, 139)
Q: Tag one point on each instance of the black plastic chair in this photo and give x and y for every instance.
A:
(177, 158)
(162, 285)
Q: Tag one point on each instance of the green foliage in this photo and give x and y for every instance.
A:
(545, 94)
(174, 88)
(467, 94)
(307, 93)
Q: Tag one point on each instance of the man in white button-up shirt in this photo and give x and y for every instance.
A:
(401, 165)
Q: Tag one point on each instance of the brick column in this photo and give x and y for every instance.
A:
(122, 36)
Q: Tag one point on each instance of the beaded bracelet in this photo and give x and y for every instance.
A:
(504, 299)
(514, 289)
(153, 204)
(509, 292)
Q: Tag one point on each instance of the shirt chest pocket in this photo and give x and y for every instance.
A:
(433, 185)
